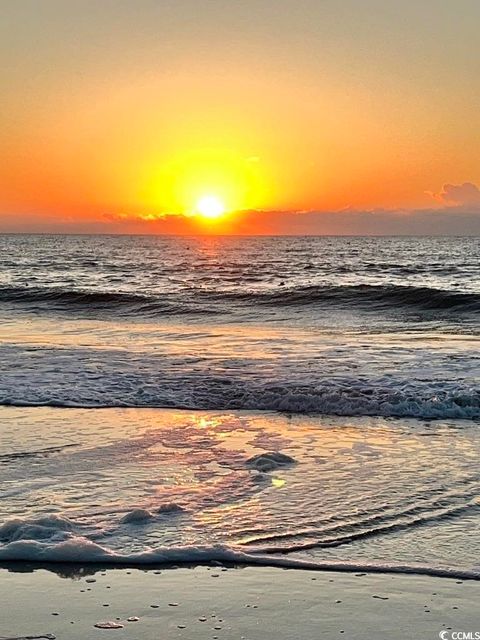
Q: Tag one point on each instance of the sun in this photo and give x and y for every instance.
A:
(210, 207)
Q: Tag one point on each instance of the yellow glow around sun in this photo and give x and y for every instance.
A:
(210, 207)
(210, 184)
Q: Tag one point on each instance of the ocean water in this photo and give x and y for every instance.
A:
(342, 326)
(278, 400)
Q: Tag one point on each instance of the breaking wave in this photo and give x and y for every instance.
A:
(80, 550)
(203, 301)
(96, 301)
(427, 401)
(423, 298)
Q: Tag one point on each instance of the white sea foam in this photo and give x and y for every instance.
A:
(79, 550)
(47, 527)
(125, 382)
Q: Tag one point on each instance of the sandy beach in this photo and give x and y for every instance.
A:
(219, 603)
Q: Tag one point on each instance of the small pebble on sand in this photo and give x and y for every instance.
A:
(108, 625)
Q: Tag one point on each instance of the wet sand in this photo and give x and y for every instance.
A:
(242, 603)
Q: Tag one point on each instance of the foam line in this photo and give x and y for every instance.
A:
(79, 550)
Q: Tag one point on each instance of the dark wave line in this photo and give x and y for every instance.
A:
(19, 455)
(103, 301)
(423, 298)
(65, 296)
(388, 527)
(191, 301)
(337, 530)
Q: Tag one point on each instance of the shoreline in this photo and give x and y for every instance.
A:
(229, 559)
(161, 487)
(223, 602)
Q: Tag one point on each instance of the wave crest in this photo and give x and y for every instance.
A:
(97, 301)
(353, 398)
(423, 298)
(202, 301)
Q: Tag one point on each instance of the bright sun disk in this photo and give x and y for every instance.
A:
(210, 207)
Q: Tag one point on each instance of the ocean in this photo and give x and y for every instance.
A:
(282, 400)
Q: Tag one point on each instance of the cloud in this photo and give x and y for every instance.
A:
(445, 221)
(466, 195)
(457, 212)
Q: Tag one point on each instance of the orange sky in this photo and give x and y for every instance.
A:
(123, 109)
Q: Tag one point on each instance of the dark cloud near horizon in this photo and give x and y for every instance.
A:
(421, 223)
